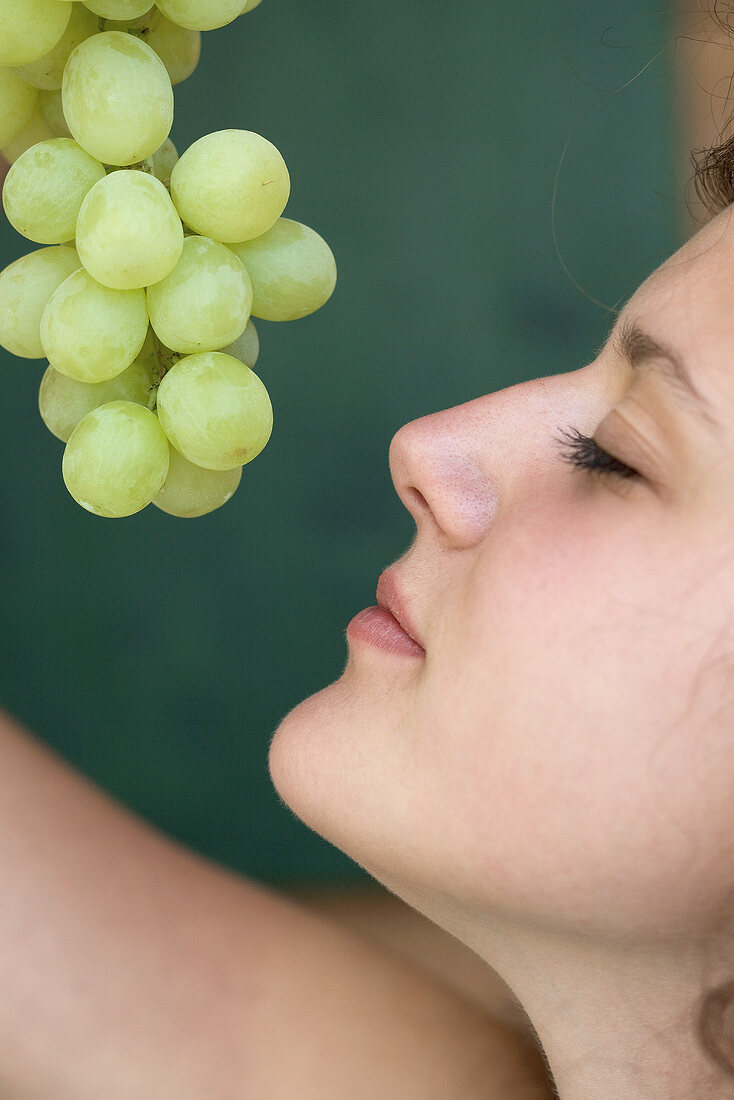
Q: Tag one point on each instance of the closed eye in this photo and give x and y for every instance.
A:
(584, 453)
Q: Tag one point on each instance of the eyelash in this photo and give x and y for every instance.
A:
(584, 453)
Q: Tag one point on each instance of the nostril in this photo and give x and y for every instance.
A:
(417, 499)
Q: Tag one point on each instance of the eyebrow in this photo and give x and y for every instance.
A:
(639, 349)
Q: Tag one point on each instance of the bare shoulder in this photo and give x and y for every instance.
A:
(149, 971)
(346, 1016)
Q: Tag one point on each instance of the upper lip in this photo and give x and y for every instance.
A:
(390, 598)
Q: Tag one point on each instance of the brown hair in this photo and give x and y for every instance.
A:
(716, 1025)
(714, 167)
(714, 178)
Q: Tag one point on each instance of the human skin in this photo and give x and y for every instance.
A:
(552, 783)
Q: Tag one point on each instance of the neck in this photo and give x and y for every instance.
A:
(614, 1024)
(615, 1021)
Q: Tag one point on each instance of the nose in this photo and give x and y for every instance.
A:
(454, 469)
(437, 471)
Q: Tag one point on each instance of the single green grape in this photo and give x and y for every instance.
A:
(18, 101)
(201, 15)
(117, 98)
(35, 131)
(178, 47)
(90, 332)
(128, 234)
(45, 188)
(63, 402)
(116, 460)
(162, 161)
(30, 28)
(190, 491)
(133, 26)
(26, 287)
(292, 268)
(118, 9)
(204, 304)
(53, 114)
(215, 411)
(46, 73)
(250, 6)
(231, 185)
(246, 347)
(148, 350)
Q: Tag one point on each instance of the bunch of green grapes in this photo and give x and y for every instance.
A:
(153, 265)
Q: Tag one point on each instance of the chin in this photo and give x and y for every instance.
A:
(331, 763)
(298, 747)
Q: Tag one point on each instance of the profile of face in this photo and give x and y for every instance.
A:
(561, 756)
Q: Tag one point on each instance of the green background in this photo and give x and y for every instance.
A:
(158, 655)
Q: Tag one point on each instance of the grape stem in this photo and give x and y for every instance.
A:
(164, 360)
(141, 166)
(147, 166)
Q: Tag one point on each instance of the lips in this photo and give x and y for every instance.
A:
(390, 598)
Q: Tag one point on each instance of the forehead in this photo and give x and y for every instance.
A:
(691, 295)
(688, 302)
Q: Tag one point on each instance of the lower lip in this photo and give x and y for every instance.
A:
(378, 627)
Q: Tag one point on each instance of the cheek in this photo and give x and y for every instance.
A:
(562, 755)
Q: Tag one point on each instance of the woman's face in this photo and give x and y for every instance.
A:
(564, 750)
